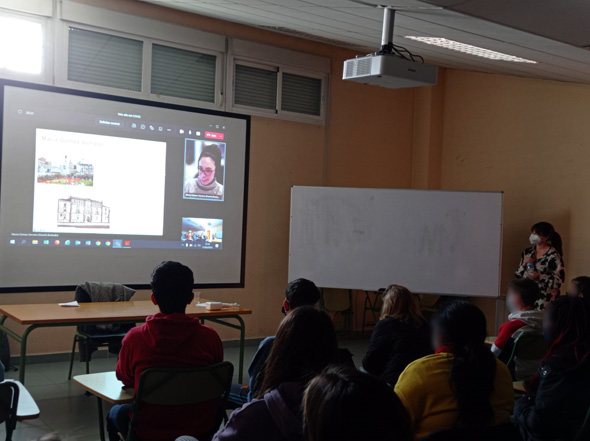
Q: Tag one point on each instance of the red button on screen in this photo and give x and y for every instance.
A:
(214, 135)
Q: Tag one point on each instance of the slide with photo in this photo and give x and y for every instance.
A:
(94, 184)
(96, 187)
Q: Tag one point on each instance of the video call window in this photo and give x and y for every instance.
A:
(204, 170)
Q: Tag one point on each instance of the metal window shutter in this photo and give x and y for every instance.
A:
(255, 87)
(104, 60)
(301, 94)
(183, 74)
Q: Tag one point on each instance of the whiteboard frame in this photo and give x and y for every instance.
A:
(498, 295)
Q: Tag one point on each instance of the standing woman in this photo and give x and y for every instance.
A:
(543, 262)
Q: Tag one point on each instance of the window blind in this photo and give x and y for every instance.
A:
(104, 60)
(184, 74)
(255, 87)
(301, 94)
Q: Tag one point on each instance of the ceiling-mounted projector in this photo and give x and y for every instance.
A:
(393, 66)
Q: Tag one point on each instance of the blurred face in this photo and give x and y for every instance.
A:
(572, 289)
(438, 339)
(514, 301)
(206, 170)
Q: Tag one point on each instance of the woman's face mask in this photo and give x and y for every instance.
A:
(534, 239)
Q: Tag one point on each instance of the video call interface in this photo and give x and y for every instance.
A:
(94, 173)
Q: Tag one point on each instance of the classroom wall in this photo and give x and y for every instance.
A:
(356, 148)
(530, 139)
(471, 131)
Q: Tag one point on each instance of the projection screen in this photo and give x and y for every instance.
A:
(103, 188)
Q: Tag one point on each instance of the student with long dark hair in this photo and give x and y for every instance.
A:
(462, 385)
(304, 346)
(579, 287)
(558, 397)
(344, 404)
(400, 337)
(543, 262)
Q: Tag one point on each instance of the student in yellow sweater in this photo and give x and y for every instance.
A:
(462, 385)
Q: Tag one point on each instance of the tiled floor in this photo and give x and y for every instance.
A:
(74, 416)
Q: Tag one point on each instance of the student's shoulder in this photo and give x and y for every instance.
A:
(207, 331)
(134, 333)
(266, 343)
(428, 362)
(503, 373)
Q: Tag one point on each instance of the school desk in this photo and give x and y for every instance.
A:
(52, 315)
(105, 387)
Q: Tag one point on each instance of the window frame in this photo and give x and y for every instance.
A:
(47, 63)
(62, 60)
(219, 72)
(241, 108)
(280, 68)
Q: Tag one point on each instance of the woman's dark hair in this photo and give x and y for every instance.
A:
(583, 284)
(570, 323)
(305, 345)
(547, 230)
(463, 329)
(211, 151)
(214, 152)
(569, 318)
(347, 405)
(528, 289)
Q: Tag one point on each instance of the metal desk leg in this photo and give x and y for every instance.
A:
(100, 419)
(242, 347)
(242, 328)
(23, 353)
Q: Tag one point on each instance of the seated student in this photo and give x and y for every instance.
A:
(558, 398)
(400, 337)
(305, 344)
(579, 287)
(299, 292)
(462, 385)
(167, 339)
(347, 405)
(524, 318)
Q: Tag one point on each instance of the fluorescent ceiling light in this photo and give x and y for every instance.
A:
(21, 45)
(469, 49)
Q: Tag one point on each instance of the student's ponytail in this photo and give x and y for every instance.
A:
(473, 370)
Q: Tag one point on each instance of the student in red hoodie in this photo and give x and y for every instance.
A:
(167, 339)
(524, 318)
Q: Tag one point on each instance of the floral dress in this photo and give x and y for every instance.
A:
(552, 273)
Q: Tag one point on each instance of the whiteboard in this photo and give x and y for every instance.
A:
(437, 242)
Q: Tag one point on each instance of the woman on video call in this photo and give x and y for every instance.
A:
(205, 183)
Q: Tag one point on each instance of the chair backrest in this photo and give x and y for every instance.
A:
(9, 393)
(584, 432)
(527, 352)
(183, 387)
(528, 346)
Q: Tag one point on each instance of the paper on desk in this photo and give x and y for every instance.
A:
(223, 305)
(70, 304)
